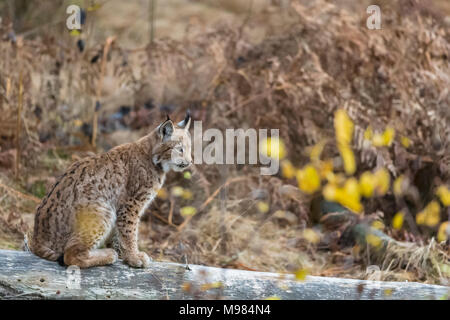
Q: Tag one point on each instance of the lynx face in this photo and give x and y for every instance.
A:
(173, 152)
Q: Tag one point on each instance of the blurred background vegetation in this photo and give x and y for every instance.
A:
(363, 116)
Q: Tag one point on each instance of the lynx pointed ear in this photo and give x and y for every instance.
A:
(186, 123)
(165, 130)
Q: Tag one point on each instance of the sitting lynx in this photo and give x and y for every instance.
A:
(101, 198)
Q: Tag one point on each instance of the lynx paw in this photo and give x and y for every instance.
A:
(138, 260)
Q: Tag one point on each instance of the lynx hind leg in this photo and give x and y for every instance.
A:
(92, 226)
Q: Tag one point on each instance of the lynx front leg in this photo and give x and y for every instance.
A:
(127, 230)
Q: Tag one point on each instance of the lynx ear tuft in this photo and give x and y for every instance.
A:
(186, 123)
(165, 130)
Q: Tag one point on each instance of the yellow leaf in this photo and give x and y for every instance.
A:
(348, 158)
(301, 274)
(420, 218)
(287, 169)
(397, 221)
(444, 194)
(400, 184)
(367, 184)
(373, 240)
(383, 181)
(368, 134)
(316, 151)
(325, 168)
(308, 179)
(262, 206)
(388, 136)
(343, 126)
(348, 196)
(188, 211)
(177, 191)
(94, 7)
(187, 195)
(443, 232)
(187, 175)
(75, 32)
(336, 179)
(209, 286)
(311, 236)
(329, 192)
(377, 224)
(273, 298)
(405, 141)
(273, 147)
(430, 215)
(385, 139)
(162, 193)
(388, 292)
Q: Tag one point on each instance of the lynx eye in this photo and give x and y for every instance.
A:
(180, 149)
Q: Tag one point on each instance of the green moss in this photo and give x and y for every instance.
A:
(38, 189)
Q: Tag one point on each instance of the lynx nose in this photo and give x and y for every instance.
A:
(183, 164)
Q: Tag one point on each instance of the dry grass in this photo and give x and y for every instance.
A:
(287, 68)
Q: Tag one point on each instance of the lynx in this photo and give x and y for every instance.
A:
(99, 200)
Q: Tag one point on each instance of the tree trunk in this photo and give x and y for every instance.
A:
(25, 276)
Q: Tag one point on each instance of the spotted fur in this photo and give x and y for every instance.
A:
(102, 198)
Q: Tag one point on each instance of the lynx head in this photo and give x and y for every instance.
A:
(173, 149)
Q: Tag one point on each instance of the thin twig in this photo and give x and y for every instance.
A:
(152, 20)
(108, 43)
(19, 194)
(19, 126)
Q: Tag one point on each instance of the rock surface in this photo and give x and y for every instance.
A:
(25, 276)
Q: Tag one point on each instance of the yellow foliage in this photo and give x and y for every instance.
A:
(308, 179)
(444, 194)
(368, 134)
(177, 191)
(311, 236)
(326, 169)
(388, 292)
(385, 139)
(348, 196)
(443, 232)
(188, 211)
(287, 169)
(349, 159)
(430, 215)
(383, 181)
(273, 298)
(316, 151)
(187, 175)
(273, 148)
(300, 274)
(187, 194)
(405, 141)
(162, 194)
(400, 184)
(343, 126)
(377, 224)
(209, 286)
(397, 221)
(336, 179)
(367, 183)
(374, 240)
(262, 206)
(75, 32)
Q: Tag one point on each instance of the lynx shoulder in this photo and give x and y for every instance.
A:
(102, 197)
